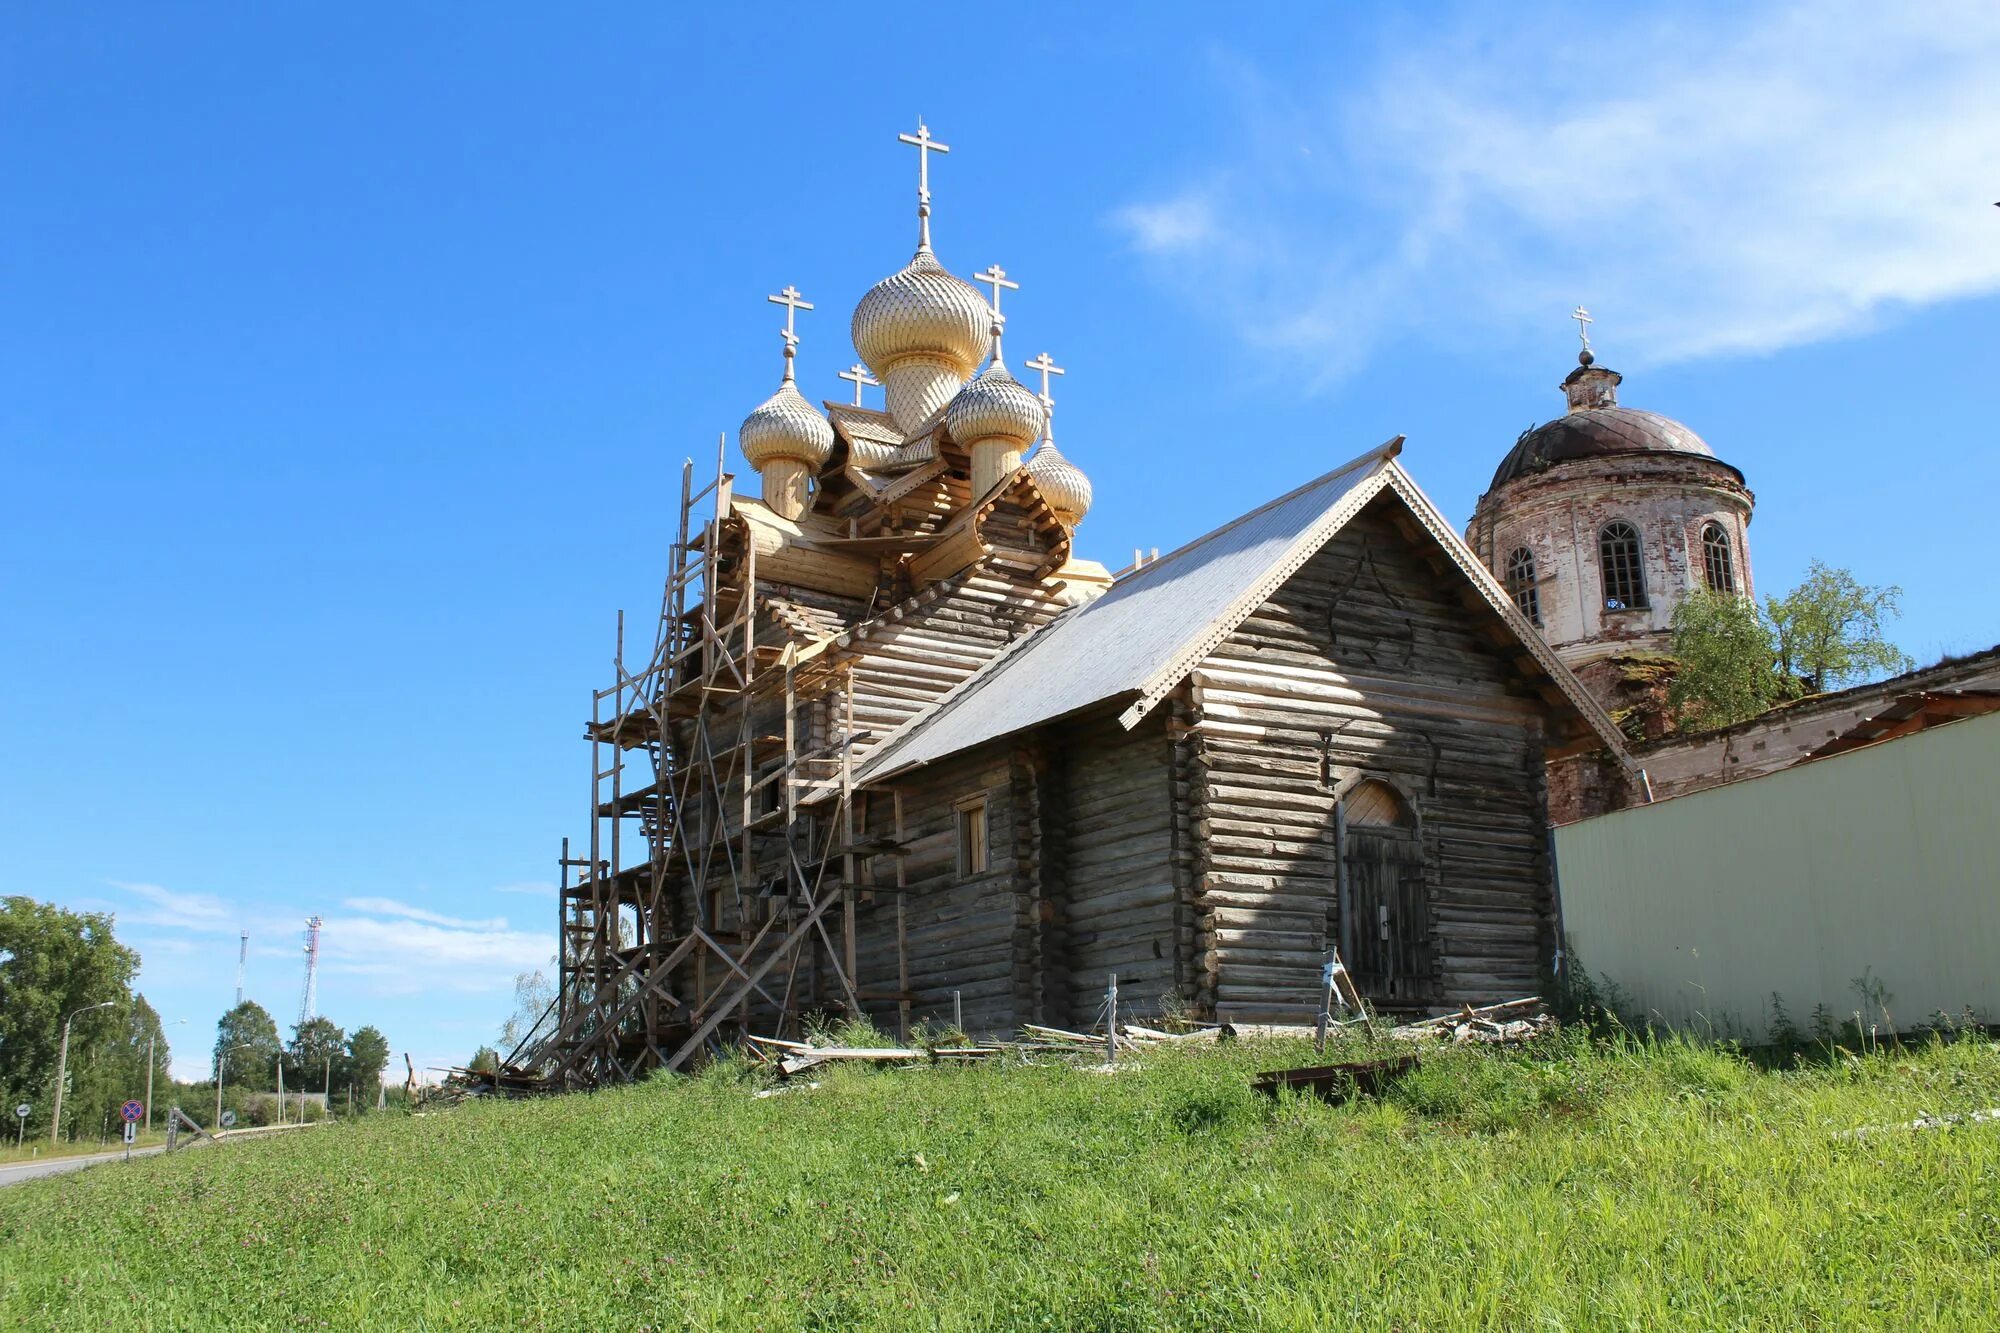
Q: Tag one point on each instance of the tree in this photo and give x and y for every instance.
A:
(485, 1060)
(533, 994)
(317, 1045)
(246, 1041)
(1727, 667)
(1827, 632)
(367, 1053)
(53, 962)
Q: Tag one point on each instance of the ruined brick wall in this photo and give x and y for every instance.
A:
(1557, 515)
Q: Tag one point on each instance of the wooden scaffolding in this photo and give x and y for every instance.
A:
(722, 839)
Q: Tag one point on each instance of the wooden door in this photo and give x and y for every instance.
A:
(1385, 928)
(1389, 916)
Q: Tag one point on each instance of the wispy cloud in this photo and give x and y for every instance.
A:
(391, 907)
(529, 888)
(178, 911)
(1798, 173)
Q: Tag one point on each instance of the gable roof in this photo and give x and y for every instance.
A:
(1140, 638)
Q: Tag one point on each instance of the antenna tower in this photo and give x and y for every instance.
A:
(242, 957)
(312, 969)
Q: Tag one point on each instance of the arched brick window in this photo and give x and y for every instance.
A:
(1718, 563)
(1521, 584)
(1618, 562)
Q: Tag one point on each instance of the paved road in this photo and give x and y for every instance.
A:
(55, 1166)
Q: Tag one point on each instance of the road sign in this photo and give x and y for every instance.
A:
(131, 1132)
(228, 1119)
(133, 1112)
(22, 1110)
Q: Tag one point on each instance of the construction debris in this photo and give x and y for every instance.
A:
(1487, 1025)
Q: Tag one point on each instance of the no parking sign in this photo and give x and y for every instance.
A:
(133, 1112)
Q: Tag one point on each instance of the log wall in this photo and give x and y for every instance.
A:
(1364, 663)
(966, 933)
(1110, 894)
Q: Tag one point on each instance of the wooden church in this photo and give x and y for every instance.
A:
(897, 751)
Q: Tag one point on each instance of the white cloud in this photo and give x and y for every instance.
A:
(1171, 225)
(403, 956)
(1706, 187)
(530, 888)
(391, 907)
(179, 911)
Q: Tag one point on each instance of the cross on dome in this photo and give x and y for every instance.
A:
(925, 146)
(793, 303)
(859, 376)
(1045, 366)
(995, 277)
(1583, 323)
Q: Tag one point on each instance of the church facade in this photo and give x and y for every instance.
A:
(898, 751)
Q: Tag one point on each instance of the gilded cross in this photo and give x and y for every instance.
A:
(858, 374)
(1583, 323)
(1046, 367)
(925, 146)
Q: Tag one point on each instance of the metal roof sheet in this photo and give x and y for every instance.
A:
(1141, 635)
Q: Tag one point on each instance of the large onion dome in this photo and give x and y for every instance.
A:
(1061, 482)
(922, 331)
(921, 309)
(785, 427)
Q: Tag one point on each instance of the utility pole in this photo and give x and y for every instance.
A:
(329, 1087)
(281, 1087)
(62, 1068)
(242, 957)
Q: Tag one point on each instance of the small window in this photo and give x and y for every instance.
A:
(1718, 563)
(1521, 585)
(972, 838)
(1618, 563)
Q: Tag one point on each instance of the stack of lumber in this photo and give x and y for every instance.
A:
(1510, 1023)
(1130, 1036)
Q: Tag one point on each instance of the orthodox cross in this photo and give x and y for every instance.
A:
(1583, 323)
(859, 375)
(793, 303)
(1046, 367)
(925, 146)
(996, 278)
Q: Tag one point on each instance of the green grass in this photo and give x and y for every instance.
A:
(1570, 1186)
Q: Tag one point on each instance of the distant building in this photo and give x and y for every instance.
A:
(1599, 523)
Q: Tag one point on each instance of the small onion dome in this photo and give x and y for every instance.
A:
(785, 426)
(996, 406)
(1061, 483)
(922, 310)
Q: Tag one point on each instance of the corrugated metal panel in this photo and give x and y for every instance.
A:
(1882, 862)
(1117, 644)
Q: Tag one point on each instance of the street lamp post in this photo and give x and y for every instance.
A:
(149, 1074)
(220, 1055)
(62, 1068)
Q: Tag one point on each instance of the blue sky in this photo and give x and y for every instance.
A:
(350, 357)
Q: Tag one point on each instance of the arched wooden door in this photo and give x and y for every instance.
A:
(1385, 903)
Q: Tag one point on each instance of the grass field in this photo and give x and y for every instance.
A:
(1568, 1186)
